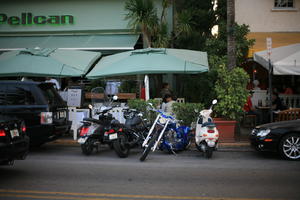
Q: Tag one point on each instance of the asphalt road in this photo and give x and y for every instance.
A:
(62, 172)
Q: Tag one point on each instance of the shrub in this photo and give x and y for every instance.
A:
(142, 105)
(231, 92)
(186, 112)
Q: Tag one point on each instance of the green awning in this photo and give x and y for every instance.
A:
(151, 61)
(47, 62)
(73, 42)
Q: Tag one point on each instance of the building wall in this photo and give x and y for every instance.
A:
(261, 16)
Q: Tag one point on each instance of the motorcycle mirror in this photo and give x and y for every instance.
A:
(214, 101)
(90, 106)
(115, 98)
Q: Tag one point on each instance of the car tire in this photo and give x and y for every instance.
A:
(289, 147)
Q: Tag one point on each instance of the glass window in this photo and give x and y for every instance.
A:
(51, 94)
(18, 95)
(284, 4)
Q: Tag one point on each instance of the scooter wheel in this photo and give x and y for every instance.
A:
(208, 152)
(87, 147)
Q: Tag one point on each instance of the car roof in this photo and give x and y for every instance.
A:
(23, 82)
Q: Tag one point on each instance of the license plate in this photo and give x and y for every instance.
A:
(14, 133)
(82, 140)
(113, 136)
(61, 114)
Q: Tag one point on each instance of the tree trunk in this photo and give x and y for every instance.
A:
(146, 39)
(231, 46)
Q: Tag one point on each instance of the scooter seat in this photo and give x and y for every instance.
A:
(209, 124)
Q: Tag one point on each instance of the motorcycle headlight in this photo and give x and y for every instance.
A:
(263, 133)
(162, 120)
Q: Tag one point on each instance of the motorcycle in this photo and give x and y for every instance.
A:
(166, 135)
(207, 135)
(92, 132)
(128, 135)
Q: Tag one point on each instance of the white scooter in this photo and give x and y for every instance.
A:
(207, 135)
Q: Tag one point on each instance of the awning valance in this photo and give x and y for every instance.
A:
(73, 42)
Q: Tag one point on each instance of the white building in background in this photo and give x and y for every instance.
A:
(278, 19)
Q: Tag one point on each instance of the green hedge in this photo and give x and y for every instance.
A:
(186, 112)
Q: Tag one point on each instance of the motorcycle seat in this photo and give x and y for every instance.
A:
(91, 120)
(208, 124)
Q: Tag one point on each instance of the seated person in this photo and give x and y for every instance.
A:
(287, 90)
(250, 110)
(277, 103)
(167, 104)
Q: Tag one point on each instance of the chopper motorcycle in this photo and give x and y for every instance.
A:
(165, 134)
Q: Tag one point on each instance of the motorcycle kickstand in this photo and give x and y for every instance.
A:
(175, 154)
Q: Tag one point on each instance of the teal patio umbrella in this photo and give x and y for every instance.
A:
(47, 62)
(151, 61)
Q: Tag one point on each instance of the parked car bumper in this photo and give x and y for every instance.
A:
(264, 143)
(14, 151)
(45, 133)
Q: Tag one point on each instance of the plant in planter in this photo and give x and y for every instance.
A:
(232, 94)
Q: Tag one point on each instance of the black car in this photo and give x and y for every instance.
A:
(39, 105)
(14, 142)
(282, 137)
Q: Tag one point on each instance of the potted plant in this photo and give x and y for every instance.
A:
(232, 94)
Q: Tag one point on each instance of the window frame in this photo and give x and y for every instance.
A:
(286, 8)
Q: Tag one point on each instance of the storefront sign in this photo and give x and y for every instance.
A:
(29, 19)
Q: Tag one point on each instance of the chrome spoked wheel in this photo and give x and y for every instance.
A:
(290, 147)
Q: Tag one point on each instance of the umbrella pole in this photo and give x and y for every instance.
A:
(270, 90)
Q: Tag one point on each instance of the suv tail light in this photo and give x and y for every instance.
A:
(46, 118)
(23, 127)
(2, 133)
(84, 130)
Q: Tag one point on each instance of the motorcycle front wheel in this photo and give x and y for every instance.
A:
(149, 147)
(87, 147)
(120, 146)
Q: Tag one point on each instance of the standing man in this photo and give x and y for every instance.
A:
(52, 80)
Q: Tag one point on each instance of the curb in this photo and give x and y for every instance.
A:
(223, 147)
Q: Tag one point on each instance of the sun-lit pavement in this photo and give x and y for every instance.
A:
(62, 172)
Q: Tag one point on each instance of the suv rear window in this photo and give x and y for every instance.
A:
(16, 95)
(51, 94)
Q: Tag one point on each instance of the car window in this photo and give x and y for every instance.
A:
(19, 95)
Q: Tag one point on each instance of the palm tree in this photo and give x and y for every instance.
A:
(142, 16)
(231, 52)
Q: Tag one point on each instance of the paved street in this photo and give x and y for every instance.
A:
(62, 172)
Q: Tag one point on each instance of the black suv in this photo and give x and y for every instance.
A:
(39, 105)
(14, 142)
